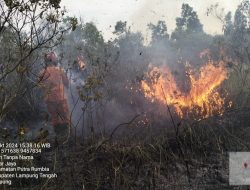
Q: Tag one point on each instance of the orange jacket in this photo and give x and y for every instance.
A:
(54, 81)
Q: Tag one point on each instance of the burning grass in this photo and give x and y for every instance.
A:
(203, 98)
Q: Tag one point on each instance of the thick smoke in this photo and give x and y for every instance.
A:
(116, 69)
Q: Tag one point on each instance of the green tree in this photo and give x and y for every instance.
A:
(120, 27)
(228, 26)
(242, 16)
(159, 31)
(236, 46)
(187, 23)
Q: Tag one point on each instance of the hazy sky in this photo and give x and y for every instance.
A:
(138, 13)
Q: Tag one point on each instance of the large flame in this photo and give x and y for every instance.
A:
(202, 100)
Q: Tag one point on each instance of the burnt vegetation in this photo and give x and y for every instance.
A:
(120, 137)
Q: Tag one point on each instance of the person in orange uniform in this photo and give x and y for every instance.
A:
(54, 81)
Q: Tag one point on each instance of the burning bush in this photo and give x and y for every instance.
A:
(203, 98)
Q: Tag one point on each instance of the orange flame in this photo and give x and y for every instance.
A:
(81, 63)
(202, 100)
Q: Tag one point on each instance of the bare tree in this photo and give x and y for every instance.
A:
(26, 29)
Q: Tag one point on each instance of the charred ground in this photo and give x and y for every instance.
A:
(126, 135)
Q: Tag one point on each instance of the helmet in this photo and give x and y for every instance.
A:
(50, 57)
